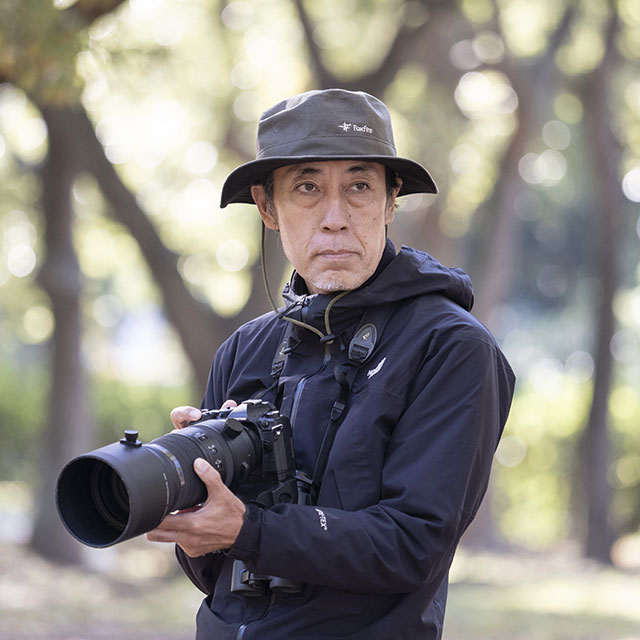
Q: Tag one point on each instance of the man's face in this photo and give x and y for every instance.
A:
(331, 217)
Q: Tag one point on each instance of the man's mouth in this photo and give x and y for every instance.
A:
(336, 253)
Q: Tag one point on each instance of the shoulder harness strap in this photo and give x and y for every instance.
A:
(361, 348)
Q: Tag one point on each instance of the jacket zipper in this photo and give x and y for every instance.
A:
(297, 394)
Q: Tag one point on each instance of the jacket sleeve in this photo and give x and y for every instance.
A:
(434, 477)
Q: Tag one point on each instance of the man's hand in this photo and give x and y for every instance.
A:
(213, 526)
(182, 416)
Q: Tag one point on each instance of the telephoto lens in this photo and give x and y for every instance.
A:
(125, 489)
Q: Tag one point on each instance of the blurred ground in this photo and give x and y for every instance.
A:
(43, 601)
(492, 597)
(556, 596)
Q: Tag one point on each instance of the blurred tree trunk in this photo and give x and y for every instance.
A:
(497, 253)
(608, 207)
(68, 423)
(534, 85)
(497, 261)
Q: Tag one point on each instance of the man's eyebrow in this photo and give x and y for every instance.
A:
(305, 171)
(364, 167)
(302, 171)
(361, 167)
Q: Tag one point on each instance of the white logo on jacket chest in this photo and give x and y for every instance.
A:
(372, 372)
(323, 519)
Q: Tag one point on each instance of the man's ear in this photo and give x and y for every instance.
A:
(391, 203)
(266, 213)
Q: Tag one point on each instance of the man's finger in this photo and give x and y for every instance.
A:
(174, 522)
(182, 416)
(161, 535)
(172, 525)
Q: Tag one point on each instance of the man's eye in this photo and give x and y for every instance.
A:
(360, 186)
(306, 187)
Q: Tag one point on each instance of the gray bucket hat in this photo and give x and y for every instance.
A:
(332, 124)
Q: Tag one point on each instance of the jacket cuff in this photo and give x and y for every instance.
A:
(247, 543)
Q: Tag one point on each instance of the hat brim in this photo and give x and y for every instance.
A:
(237, 186)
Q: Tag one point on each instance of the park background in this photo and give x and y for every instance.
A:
(120, 275)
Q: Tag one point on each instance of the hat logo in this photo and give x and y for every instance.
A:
(346, 126)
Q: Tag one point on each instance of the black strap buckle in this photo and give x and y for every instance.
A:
(363, 343)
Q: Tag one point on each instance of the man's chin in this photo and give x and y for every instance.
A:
(334, 284)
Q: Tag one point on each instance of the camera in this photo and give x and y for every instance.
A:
(126, 488)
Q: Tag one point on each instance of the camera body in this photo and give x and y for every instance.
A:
(127, 488)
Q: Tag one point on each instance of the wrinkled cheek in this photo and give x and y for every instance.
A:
(292, 252)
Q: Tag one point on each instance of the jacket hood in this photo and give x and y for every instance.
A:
(399, 276)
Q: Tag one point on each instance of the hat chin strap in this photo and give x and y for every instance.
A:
(263, 264)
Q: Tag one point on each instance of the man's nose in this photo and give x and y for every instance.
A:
(336, 214)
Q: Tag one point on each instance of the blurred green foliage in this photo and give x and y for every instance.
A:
(116, 406)
(22, 397)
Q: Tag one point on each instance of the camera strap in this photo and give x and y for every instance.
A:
(345, 375)
(361, 348)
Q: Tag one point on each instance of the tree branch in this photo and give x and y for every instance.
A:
(194, 321)
(532, 91)
(546, 61)
(401, 50)
(375, 82)
(91, 10)
(325, 79)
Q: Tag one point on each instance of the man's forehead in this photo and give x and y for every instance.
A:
(320, 167)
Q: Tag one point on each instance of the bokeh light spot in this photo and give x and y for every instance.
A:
(38, 324)
(21, 260)
(232, 255)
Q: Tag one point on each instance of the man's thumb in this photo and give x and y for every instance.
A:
(203, 469)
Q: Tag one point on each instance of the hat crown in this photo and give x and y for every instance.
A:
(332, 122)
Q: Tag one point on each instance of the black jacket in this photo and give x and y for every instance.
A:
(407, 471)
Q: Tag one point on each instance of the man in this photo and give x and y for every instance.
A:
(375, 347)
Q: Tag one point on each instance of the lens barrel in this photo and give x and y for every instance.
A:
(127, 488)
